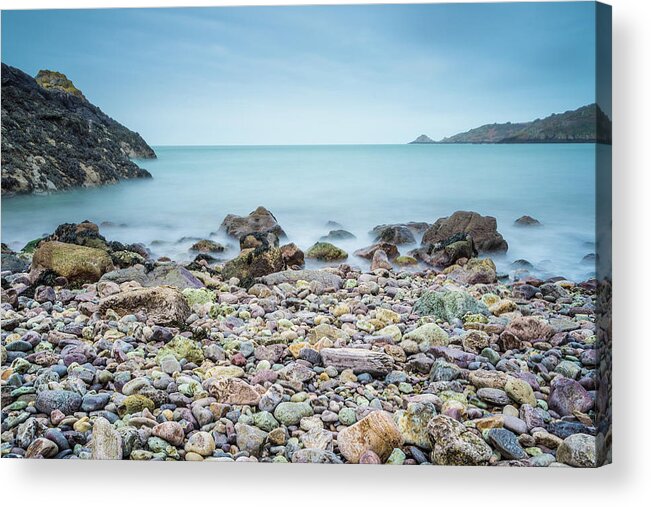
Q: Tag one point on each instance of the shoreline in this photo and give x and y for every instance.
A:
(159, 361)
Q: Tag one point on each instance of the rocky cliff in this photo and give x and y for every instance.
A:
(54, 139)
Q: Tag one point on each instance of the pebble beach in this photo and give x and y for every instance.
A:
(431, 358)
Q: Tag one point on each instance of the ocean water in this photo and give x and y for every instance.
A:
(358, 186)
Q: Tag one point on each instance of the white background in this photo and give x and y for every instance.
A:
(626, 482)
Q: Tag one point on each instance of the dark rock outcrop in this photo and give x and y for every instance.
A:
(482, 229)
(259, 220)
(54, 139)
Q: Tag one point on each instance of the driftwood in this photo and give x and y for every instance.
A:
(358, 360)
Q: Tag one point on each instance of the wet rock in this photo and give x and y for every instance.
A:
(396, 234)
(482, 229)
(259, 220)
(526, 221)
(292, 256)
(389, 248)
(251, 264)
(327, 252)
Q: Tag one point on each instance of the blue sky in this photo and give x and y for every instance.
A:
(313, 75)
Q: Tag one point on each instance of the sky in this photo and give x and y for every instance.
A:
(315, 74)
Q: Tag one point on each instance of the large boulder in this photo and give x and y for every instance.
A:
(253, 263)
(328, 279)
(162, 305)
(259, 220)
(482, 229)
(376, 432)
(168, 273)
(327, 252)
(78, 264)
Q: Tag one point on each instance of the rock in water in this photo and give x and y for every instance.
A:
(377, 432)
(259, 220)
(454, 444)
(482, 229)
(162, 305)
(323, 251)
(526, 220)
(54, 139)
(106, 442)
(78, 264)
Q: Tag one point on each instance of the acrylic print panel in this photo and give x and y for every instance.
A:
(374, 234)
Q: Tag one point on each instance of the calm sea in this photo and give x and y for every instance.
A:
(358, 186)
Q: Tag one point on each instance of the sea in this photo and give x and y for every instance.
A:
(357, 186)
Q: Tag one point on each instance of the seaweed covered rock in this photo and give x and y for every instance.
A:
(78, 264)
(253, 263)
(445, 253)
(323, 251)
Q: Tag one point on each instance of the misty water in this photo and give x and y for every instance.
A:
(358, 186)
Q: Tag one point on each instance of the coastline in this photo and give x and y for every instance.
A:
(153, 360)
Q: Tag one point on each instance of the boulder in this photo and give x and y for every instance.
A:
(259, 239)
(232, 391)
(327, 279)
(412, 424)
(529, 329)
(337, 235)
(446, 253)
(358, 360)
(106, 442)
(455, 444)
(323, 251)
(78, 264)
(578, 450)
(482, 229)
(568, 396)
(448, 305)
(207, 246)
(259, 220)
(473, 272)
(252, 264)
(367, 253)
(380, 261)
(162, 305)
(293, 257)
(526, 221)
(168, 273)
(377, 432)
(397, 234)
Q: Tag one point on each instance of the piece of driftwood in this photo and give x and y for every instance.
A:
(358, 360)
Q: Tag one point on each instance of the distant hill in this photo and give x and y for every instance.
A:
(423, 139)
(588, 124)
